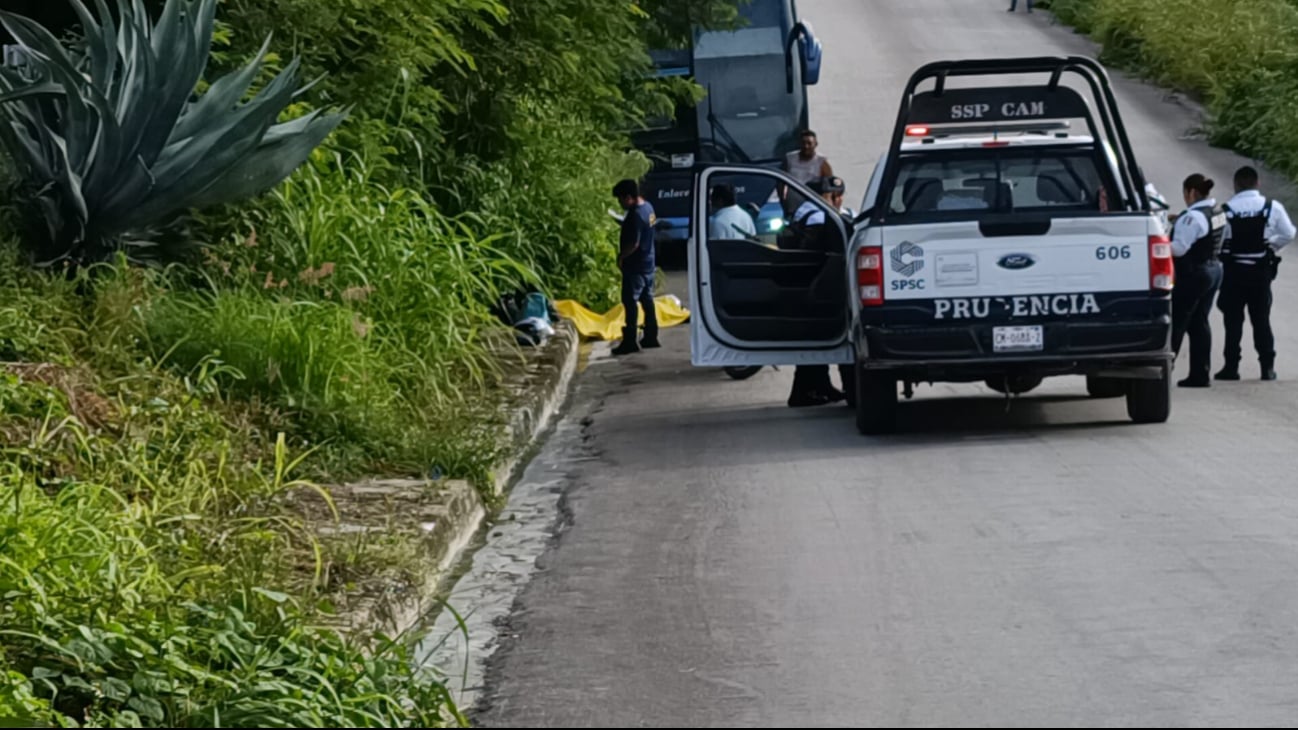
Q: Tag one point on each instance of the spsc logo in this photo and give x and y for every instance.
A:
(901, 265)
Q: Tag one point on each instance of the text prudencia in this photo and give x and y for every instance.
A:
(1024, 306)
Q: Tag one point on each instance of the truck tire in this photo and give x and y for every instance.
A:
(743, 373)
(876, 402)
(1150, 401)
(1098, 387)
(1015, 384)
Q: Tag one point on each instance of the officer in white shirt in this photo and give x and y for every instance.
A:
(1255, 229)
(729, 220)
(808, 223)
(1196, 244)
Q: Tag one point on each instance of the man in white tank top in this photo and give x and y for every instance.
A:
(804, 164)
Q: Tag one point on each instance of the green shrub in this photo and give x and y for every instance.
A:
(111, 143)
(1247, 86)
(361, 313)
(144, 544)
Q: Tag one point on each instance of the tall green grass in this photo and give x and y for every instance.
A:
(148, 553)
(1240, 57)
(155, 422)
(360, 313)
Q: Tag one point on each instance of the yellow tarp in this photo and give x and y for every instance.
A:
(608, 326)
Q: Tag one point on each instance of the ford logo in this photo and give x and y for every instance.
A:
(1016, 261)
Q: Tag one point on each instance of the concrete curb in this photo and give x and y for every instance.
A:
(541, 398)
(438, 521)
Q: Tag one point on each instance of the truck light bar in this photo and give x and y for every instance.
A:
(982, 130)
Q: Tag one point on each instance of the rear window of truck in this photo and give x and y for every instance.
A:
(960, 183)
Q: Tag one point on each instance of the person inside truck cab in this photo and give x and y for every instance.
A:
(728, 220)
(921, 194)
(1196, 244)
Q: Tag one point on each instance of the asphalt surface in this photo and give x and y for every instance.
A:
(731, 562)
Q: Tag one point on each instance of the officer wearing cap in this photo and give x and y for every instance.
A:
(1196, 242)
(808, 227)
(810, 231)
(1256, 228)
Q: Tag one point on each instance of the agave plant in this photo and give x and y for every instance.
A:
(112, 140)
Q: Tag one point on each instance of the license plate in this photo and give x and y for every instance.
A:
(1016, 339)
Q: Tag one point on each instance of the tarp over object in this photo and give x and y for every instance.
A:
(608, 326)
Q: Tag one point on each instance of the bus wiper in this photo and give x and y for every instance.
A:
(716, 125)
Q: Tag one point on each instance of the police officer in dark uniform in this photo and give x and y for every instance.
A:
(1196, 243)
(809, 230)
(1255, 229)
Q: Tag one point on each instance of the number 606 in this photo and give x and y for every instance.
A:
(1104, 253)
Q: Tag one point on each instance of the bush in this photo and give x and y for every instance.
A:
(361, 313)
(111, 143)
(512, 113)
(1247, 86)
(145, 542)
(151, 565)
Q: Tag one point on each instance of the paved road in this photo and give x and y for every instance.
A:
(732, 562)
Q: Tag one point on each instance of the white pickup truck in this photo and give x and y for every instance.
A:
(1007, 235)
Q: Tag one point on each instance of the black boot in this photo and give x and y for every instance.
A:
(806, 388)
(1229, 372)
(1268, 370)
(628, 345)
(847, 374)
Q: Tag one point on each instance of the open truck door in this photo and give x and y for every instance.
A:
(756, 302)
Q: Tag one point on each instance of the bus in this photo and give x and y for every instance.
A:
(755, 107)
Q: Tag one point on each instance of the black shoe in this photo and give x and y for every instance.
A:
(1195, 383)
(805, 400)
(1227, 373)
(1268, 373)
(833, 395)
(628, 347)
(650, 343)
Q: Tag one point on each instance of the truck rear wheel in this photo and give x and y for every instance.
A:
(1150, 401)
(876, 402)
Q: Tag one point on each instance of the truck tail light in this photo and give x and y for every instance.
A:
(869, 275)
(1162, 269)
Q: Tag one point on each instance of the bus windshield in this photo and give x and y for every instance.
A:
(748, 113)
(748, 101)
(744, 73)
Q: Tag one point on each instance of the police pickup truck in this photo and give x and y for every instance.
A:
(1007, 235)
